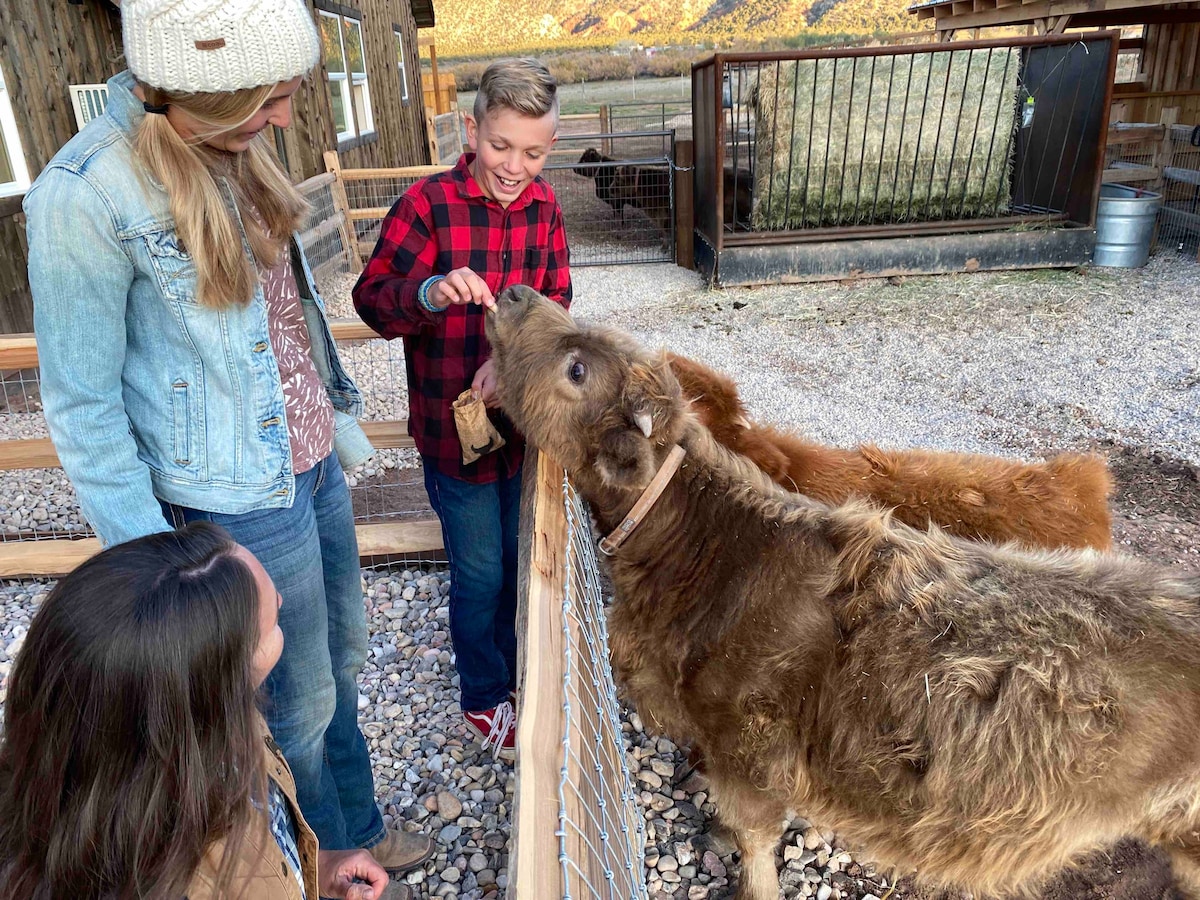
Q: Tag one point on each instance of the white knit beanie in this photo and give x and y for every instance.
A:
(210, 46)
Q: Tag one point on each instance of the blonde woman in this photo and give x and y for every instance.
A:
(188, 370)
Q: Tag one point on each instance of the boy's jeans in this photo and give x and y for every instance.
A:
(311, 553)
(479, 529)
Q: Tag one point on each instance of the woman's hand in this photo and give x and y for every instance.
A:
(337, 871)
(461, 286)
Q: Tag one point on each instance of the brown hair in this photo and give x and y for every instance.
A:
(523, 85)
(190, 171)
(132, 741)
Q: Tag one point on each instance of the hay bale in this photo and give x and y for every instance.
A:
(824, 156)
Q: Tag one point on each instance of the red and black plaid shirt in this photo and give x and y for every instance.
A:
(445, 222)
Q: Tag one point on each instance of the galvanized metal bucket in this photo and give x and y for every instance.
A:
(1125, 225)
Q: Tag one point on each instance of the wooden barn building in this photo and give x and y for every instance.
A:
(1165, 59)
(365, 100)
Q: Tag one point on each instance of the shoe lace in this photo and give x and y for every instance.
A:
(502, 723)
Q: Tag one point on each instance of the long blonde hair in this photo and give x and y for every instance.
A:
(268, 203)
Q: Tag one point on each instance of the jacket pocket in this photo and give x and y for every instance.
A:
(179, 418)
(173, 266)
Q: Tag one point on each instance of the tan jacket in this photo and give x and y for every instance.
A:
(262, 872)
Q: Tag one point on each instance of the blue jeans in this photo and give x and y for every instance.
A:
(311, 553)
(479, 530)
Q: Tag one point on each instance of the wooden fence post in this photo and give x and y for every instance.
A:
(605, 128)
(341, 204)
(685, 208)
(431, 135)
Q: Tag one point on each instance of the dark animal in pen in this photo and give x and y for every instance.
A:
(604, 176)
(977, 713)
(648, 187)
(1062, 502)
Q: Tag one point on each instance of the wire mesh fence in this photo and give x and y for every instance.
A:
(371, 198)
(617, 195)
(905, 135)
(578, 831)
(1163, 159)
(1179, 216)
(324, 232)
(40, 503)
(670, 115)
(448, 128)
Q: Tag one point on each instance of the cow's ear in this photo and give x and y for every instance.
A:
(652, 399)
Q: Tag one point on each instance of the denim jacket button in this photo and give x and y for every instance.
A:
(267, 423)
(260, 346)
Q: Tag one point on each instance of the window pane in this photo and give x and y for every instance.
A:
(331, 40)
(7, 175)
(339, 106)
(354, 48)
(6, 172)
(362, 106)
(400, 63)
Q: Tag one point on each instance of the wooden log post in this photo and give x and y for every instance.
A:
(533, 861)
(685, 210)
(605, 128)
(341, 203)
(437, 86)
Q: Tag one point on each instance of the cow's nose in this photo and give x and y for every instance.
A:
(517, 293)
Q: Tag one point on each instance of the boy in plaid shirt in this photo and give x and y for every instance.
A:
(446, 249)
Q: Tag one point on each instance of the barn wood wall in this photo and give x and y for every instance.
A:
(1171, 65)
(46, 45)
(400, 138)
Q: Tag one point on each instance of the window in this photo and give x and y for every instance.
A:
(349, 92)
(14, 176)
(1129, 64)
(1129, 57)
(400, 65)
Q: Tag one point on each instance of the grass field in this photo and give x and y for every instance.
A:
(588, 97)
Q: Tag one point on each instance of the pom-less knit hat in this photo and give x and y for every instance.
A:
(209, 46)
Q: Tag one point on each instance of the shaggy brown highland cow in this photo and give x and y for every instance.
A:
(975, 713)
(1062, 502)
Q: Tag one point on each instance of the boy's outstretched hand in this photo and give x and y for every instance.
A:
(461, 286)
(337, 871)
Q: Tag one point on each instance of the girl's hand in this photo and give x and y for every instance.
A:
(461, 286)
(337, 871)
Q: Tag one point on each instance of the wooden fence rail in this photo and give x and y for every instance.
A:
(55, 556)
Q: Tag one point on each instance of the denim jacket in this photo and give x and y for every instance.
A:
(147, 394)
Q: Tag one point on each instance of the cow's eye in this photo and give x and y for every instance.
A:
(577, 372)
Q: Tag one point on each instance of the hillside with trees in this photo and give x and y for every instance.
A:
(486, 27)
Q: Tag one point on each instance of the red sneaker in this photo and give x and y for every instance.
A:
(496, 728)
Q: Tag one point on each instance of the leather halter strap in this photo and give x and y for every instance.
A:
(670, 465)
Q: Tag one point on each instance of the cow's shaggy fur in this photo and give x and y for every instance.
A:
(976, 713)
(1062, 502)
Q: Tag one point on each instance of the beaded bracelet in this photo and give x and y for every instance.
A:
(423, 293)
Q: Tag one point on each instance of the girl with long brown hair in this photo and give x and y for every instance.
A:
(187, 367)
(135, 762)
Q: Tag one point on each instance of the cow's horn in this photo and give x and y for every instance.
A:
(644, 422)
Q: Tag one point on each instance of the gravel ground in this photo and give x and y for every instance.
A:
(1022, 364)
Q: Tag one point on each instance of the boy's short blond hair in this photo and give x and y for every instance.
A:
(523, 85)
